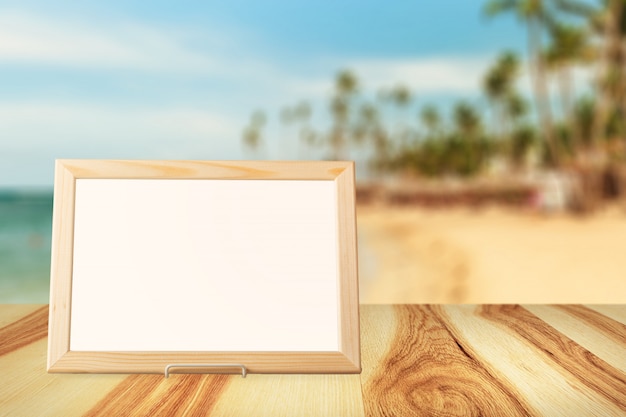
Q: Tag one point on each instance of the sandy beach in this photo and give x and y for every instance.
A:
(415, 255)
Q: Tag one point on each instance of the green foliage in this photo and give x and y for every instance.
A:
(346, 83)
(252, 133)
(430, 117)
(466, 119)
(499, 82)
(524, 137)
(584, 110)
(452, 155)
(401, 95)
(569, 44)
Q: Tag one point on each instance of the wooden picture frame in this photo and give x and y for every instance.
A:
(76, 259)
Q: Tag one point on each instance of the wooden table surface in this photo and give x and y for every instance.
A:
(444, 360)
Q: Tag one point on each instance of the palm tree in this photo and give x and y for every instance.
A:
(610, 22)
(366, 123)
(522, 139)
(467, 120)
(465, 148)
(286, 119)
(368, 130)
(252, 135)
(536, 15)
(515, 107)
(302, 114)
(539, 15)
(401, 98)
(346, 83)
(499, 84)
(401, 95)
(431, 119)
(568, 46)
(584, 112)
(346, 87)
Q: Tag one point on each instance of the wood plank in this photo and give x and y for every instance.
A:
(378, 328)
(191, 395)
(153, 395)
(291, 395)
(425, 371)
(30, 391)
(13, 312)
(567, 355)
(616, 312)
(453, 360)
(504, 348)
(24, 331)
(601, 335)
(609, 327)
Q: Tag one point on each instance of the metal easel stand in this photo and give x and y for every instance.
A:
(244, 371)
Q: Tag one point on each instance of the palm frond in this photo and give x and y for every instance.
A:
(576, 8)
(495, 7)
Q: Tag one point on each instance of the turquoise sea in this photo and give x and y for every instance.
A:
(25, 238)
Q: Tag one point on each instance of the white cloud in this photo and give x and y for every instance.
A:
(34, 39)
(448, 75)
(424, 75)
(125, 130)
(33, 134)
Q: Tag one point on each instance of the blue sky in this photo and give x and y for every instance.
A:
(178, 80)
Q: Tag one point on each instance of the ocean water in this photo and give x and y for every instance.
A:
(25, 238)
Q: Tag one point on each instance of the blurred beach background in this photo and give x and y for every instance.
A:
(489, 135)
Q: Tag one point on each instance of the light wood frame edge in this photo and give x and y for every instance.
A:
(349, 334)
(61, 264)
(149, 169)
(155, 362)
(61, 359)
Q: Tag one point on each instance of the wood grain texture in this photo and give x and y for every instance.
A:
(155, 362)
(514, 353)
(14, 312)
(426, 371)
(289, 170)
(469, 360)
(348, 264)
(381, 321)
(24, 331)
(566, 354)
(33, 391)
(611, 328)
(61, 264)
(152, 395)
(28, 390)
(613, 311)
(595, 333)
(445, 360)
(291, 395)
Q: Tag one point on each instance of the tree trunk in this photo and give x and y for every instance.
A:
(612, 43)
(566, 86)
(542, 95)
